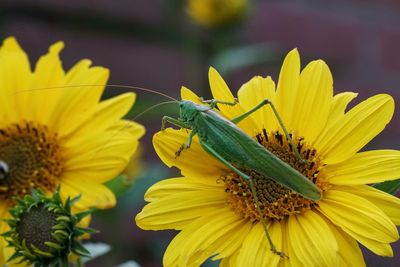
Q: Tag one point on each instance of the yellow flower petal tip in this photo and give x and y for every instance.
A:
(212, 72)
(294, 52)
(293, 55)
(11, 44)
(57, 47)
(215, 211)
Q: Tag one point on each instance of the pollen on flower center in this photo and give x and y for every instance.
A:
(30, 157)
(276, 201)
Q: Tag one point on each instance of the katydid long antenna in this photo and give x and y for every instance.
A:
(153, 107)
(99, 85)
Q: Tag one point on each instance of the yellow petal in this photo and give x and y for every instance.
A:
(174, 211)
(92, 194)
(224, 262)
(350, 254)
(355, 129)
(313, 100)
(193, 161)
(288, 249)
(100, 157)
(171, 255)
(175, 186)
(379, 248)
(136, 130)
(389, 204)
(120, 136)
(338, 107)
(15, 76)
(210, 235)
(230, 244)
(107, 113)
(187, 94)
(365, 168)
(46, 87)
(3, 259)
(357, 215)
(214, 230)
(256, 249)
(220, 91)
(230, 261)
(312, 240)
(77, 103)
(288, 84)
(3, 228)
(252, 93)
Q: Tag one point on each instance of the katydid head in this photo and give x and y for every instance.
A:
(189, 110)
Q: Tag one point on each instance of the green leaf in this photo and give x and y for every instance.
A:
(233, 59)
(79, 249)
(83, 214)
(119, 185)
(391, 187)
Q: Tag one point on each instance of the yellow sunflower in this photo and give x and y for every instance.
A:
(215, 211)
(214, 13)
(59, 136)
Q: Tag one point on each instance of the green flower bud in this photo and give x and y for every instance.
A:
(43, 230)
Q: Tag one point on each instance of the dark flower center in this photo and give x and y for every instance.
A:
(30, 157)
(36, 227)
(276, 201)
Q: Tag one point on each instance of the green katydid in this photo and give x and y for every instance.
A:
(222, 139)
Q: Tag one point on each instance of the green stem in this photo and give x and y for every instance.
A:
(79, 263)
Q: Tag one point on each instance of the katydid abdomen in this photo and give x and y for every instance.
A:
(242, 151)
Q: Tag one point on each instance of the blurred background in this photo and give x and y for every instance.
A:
(164, 44)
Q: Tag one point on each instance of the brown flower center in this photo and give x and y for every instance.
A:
(30, 157)
(276, 201)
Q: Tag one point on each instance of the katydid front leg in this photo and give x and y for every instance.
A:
(185, 146)
(181, 124)
(173, 121)
(253, 191)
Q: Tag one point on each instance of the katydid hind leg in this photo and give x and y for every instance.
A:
(263, 221)
(253, 191)
(280, 121)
